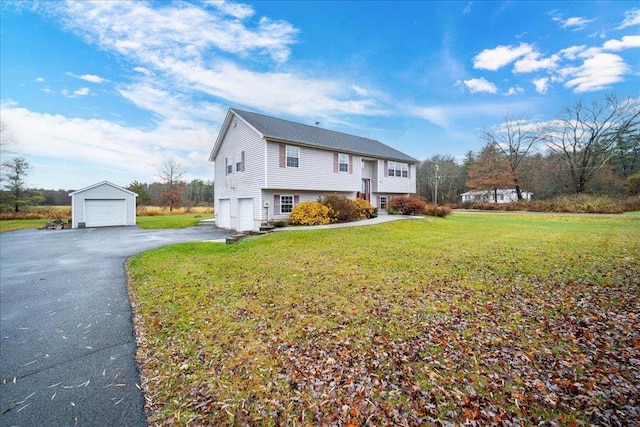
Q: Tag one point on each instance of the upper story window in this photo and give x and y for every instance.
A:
(343, 162)
(398, 169)
(240, 162)
(228, 162)
(293, 156)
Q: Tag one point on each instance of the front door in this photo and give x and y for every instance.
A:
(366, 189)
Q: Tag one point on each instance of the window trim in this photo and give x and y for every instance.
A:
(341, 163)
(397, 169)
(229, 165)
(282, 204)
(296, 157)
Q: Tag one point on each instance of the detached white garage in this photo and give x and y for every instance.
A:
(103, 205)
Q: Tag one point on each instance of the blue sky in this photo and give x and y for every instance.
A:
(110, 90)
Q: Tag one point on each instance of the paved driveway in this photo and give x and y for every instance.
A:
(67, 347)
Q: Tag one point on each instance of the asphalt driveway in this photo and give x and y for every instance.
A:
(67, 346)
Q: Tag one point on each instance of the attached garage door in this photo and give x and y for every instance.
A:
(223, 213)
(105, 212)
(245, 214)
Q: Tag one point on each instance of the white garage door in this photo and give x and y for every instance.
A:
(245, 214)
(223, 213)
(105, 212)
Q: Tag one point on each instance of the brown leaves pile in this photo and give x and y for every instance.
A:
(554, 352)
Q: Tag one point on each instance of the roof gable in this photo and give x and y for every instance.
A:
(82, 190)
(275, 129)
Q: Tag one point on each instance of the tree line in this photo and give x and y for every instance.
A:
(588, 148)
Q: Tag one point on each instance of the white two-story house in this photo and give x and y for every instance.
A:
(264, 166)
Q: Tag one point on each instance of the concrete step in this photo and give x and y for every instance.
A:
(209, 222)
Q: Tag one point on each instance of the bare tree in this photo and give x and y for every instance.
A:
(515, 139)
(450, 179)
(586, 135)
(170, 174)
(7, 140)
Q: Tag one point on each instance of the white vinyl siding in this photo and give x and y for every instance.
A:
(103, 204)
(316, 172)
(388, 183)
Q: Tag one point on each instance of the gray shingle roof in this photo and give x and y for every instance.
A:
(284, 130)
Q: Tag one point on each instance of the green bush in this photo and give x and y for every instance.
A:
(341, 208)
(310, 213)
(406, 205)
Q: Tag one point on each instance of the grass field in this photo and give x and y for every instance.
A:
(480, 318)
(147, 217)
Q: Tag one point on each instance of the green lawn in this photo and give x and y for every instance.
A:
(21, 224)
(158, 221)
(489, 318)
(171, 221)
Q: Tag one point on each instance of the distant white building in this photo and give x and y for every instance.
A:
(503, 195)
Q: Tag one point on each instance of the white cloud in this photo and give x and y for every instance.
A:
(514, 91)
(142, 70)
(180, 48)
(541, 84)
(572, 52)
(83, 91)
(493, 59)
(360, 90)
(480, 85)
(171, 109)
(166, 33)
(576, 22)
(627, 42)
(88, 77)
(237, 10)
(438, 115)
(40, 79)
(532, 62)
(597, 72)
(94, 150)
(632, 18)
(447, 116)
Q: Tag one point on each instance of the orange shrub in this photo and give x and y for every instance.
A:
(310, 213)
(365, 210)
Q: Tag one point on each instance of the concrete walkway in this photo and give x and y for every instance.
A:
(380, 219)
(67, 345)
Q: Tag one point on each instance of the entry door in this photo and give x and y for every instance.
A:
(366, 189)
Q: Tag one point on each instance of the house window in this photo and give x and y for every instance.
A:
(343, 162)
(229, 163)
(240, 162)
(398, 169)
(383, 202)
(286, 204)
(293, 157)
